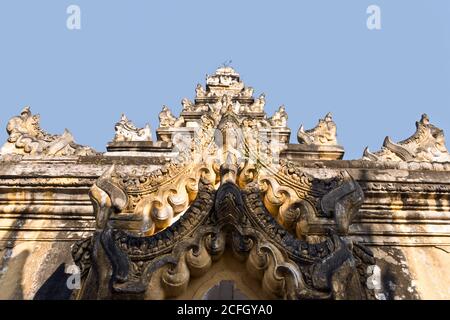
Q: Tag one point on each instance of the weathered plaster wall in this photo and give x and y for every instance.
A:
(35, 270)
(429, 269)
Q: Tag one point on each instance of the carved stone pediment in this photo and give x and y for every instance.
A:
(227, 190)
(426, 144)
(27, 138)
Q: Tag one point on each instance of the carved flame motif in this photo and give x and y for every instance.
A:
(27, 138)
(127, 131)
(426, 144)
(322, 134)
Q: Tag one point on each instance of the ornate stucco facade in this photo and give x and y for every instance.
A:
(222, 195)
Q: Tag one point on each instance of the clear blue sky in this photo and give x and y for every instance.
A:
(313, 56)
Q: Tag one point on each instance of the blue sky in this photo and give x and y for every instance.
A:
(313, 56)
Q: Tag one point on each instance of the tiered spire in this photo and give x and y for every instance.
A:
(224, 91)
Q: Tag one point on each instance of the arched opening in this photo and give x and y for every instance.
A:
(224, 290)
(228, 279)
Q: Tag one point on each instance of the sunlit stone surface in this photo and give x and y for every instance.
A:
(223, 194)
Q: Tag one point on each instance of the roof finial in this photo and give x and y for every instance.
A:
(227, 63)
